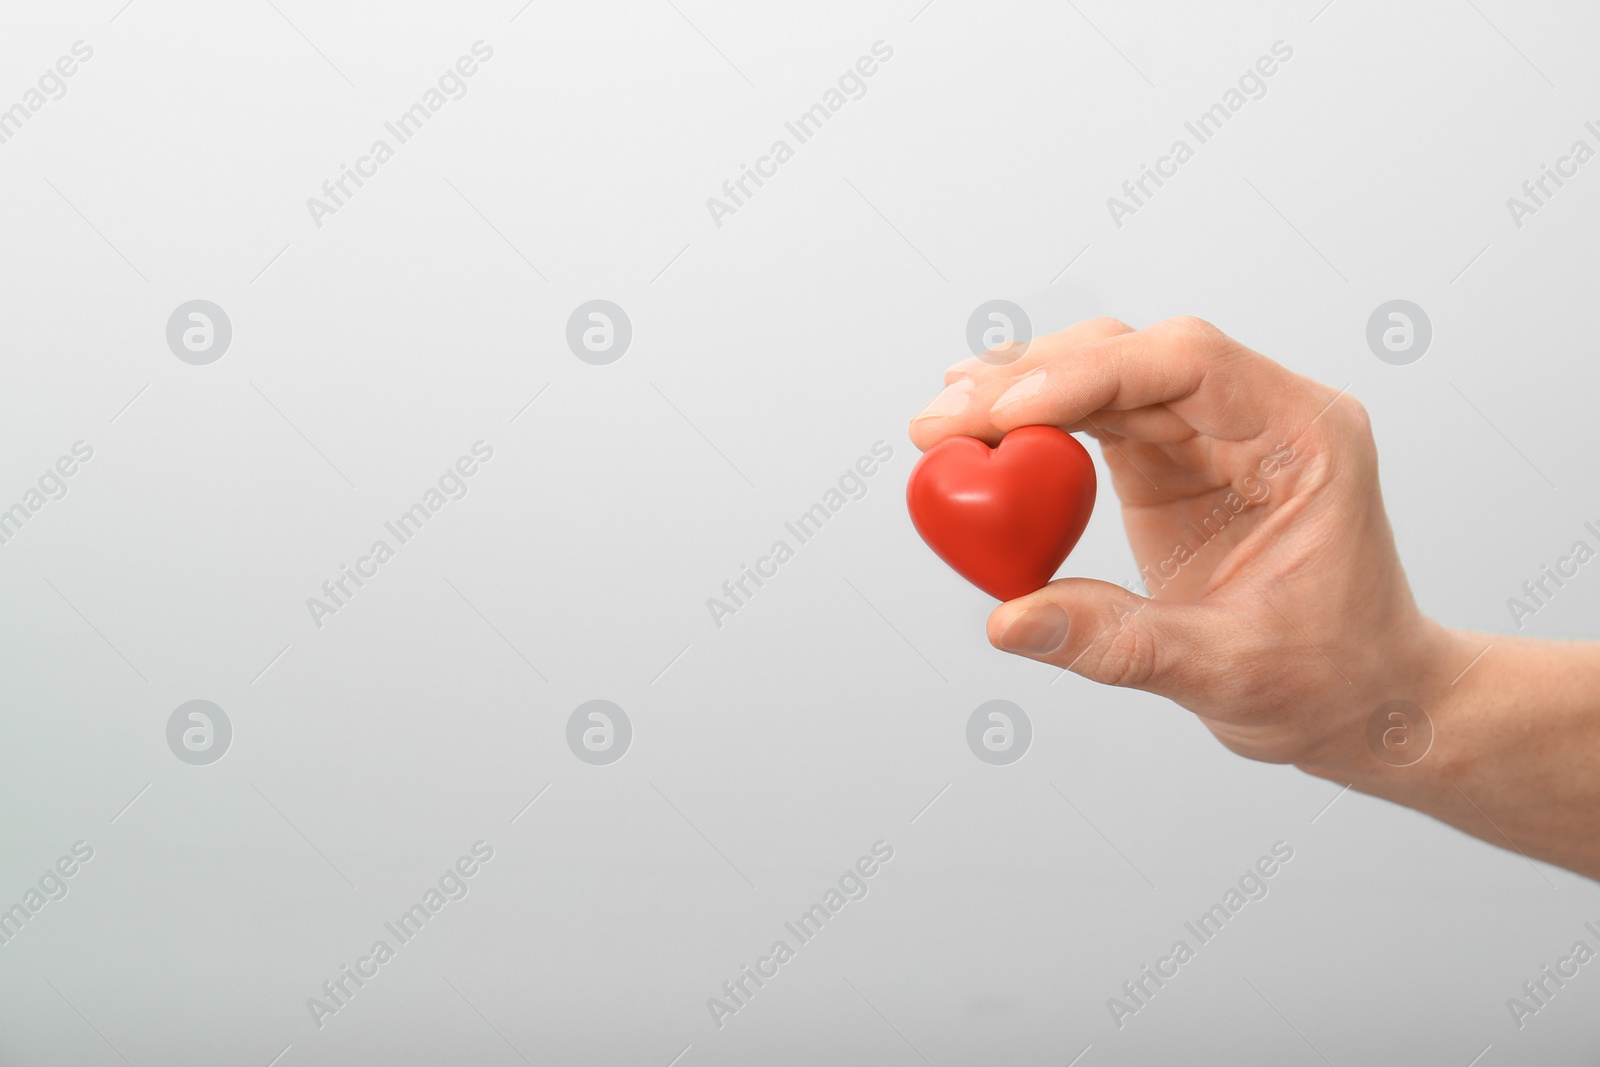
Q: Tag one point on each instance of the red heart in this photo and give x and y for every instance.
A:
(1003, 518)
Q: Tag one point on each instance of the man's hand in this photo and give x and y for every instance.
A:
(1279, 612)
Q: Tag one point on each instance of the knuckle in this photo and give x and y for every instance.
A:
(1004, 353)
(1197, 339)
(1194, 328)
(1353, 414)
(1105, 326)
(1123, 654)
(1351, 426)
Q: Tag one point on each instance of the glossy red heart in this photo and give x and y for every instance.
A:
(1006, 517)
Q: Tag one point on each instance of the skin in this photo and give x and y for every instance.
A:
(1290, 623)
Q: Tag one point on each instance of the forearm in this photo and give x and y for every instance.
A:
(1515, 755)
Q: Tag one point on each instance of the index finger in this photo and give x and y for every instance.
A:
(1019, 357)
(1214, 384)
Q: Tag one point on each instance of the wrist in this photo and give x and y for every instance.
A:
(1399, 738)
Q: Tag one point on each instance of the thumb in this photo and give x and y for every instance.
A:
(1110, 635)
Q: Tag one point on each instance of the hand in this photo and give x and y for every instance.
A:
(1278, 609)
(1279, 613)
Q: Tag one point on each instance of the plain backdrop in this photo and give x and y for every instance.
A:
(374, 346)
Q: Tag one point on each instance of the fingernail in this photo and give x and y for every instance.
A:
(966, 366)
(1022, 390)
(953, 401)
(1036, 632)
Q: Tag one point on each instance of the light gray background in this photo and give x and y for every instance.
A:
(768, 355)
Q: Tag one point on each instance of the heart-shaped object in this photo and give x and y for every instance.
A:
(1006, 517)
